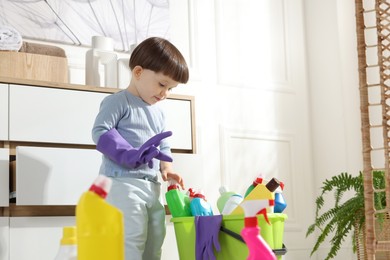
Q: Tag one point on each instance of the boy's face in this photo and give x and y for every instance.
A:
(150, 86)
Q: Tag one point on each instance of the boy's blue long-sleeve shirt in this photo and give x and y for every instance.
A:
(136, 121)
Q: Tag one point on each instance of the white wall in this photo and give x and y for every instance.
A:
(276, 94)
(334, 89)
(334, 94)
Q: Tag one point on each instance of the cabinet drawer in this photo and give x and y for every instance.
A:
(36, 237)
(3, 111)
(4, 237)
(4, 177)
(51, 115)
(54, 176)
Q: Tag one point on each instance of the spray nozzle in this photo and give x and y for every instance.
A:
(253, 207)
(264, 211)
(196, 193)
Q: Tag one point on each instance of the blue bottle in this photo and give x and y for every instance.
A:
(199, 206)
(280, 203)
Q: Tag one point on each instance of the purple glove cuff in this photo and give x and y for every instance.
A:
(207, 230)
(115, 147)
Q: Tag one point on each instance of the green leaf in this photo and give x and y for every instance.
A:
(337, 222)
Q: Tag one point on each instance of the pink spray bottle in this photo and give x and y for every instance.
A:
(258, 248)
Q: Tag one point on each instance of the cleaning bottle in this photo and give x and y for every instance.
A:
(199, 205)
(178, 202)
(280, 203)
(228, 201)
(100, 228)
(260, 192)
(259, 179)
(258, 248)
(68, 244)
(232, 203)
(224, 196)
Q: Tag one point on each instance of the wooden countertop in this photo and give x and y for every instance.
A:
(50, 84)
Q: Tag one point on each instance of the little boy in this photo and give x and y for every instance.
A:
(129, 131)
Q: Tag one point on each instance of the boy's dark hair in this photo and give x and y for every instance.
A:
(159, 55)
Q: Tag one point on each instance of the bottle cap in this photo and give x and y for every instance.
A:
(257, 181)
(173, 187)
(250, 221)
(222, 190)
(273, 184)
(69, 236)
(196, 194)
(101, 186)
(199, 195)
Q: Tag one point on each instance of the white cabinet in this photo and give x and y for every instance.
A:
(33, 238)
(52, 115)
(4, 177)
(54, 176)
(4, 238)
(47, 130)
(62, 117)
(55, 115)
(3, 111)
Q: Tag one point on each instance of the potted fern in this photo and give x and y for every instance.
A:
(345, 215)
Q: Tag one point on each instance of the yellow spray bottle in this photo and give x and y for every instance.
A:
(100, 229)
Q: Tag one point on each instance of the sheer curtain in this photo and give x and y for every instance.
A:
(76, 21)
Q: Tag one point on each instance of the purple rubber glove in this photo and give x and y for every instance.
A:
(115, 147)
(207, 230)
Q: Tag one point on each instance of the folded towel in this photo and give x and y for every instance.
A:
(10, 39)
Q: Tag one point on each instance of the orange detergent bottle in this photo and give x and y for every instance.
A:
(100, 229)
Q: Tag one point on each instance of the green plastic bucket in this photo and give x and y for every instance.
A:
(231, 248)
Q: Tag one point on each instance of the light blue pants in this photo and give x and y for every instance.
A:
(144, 216)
